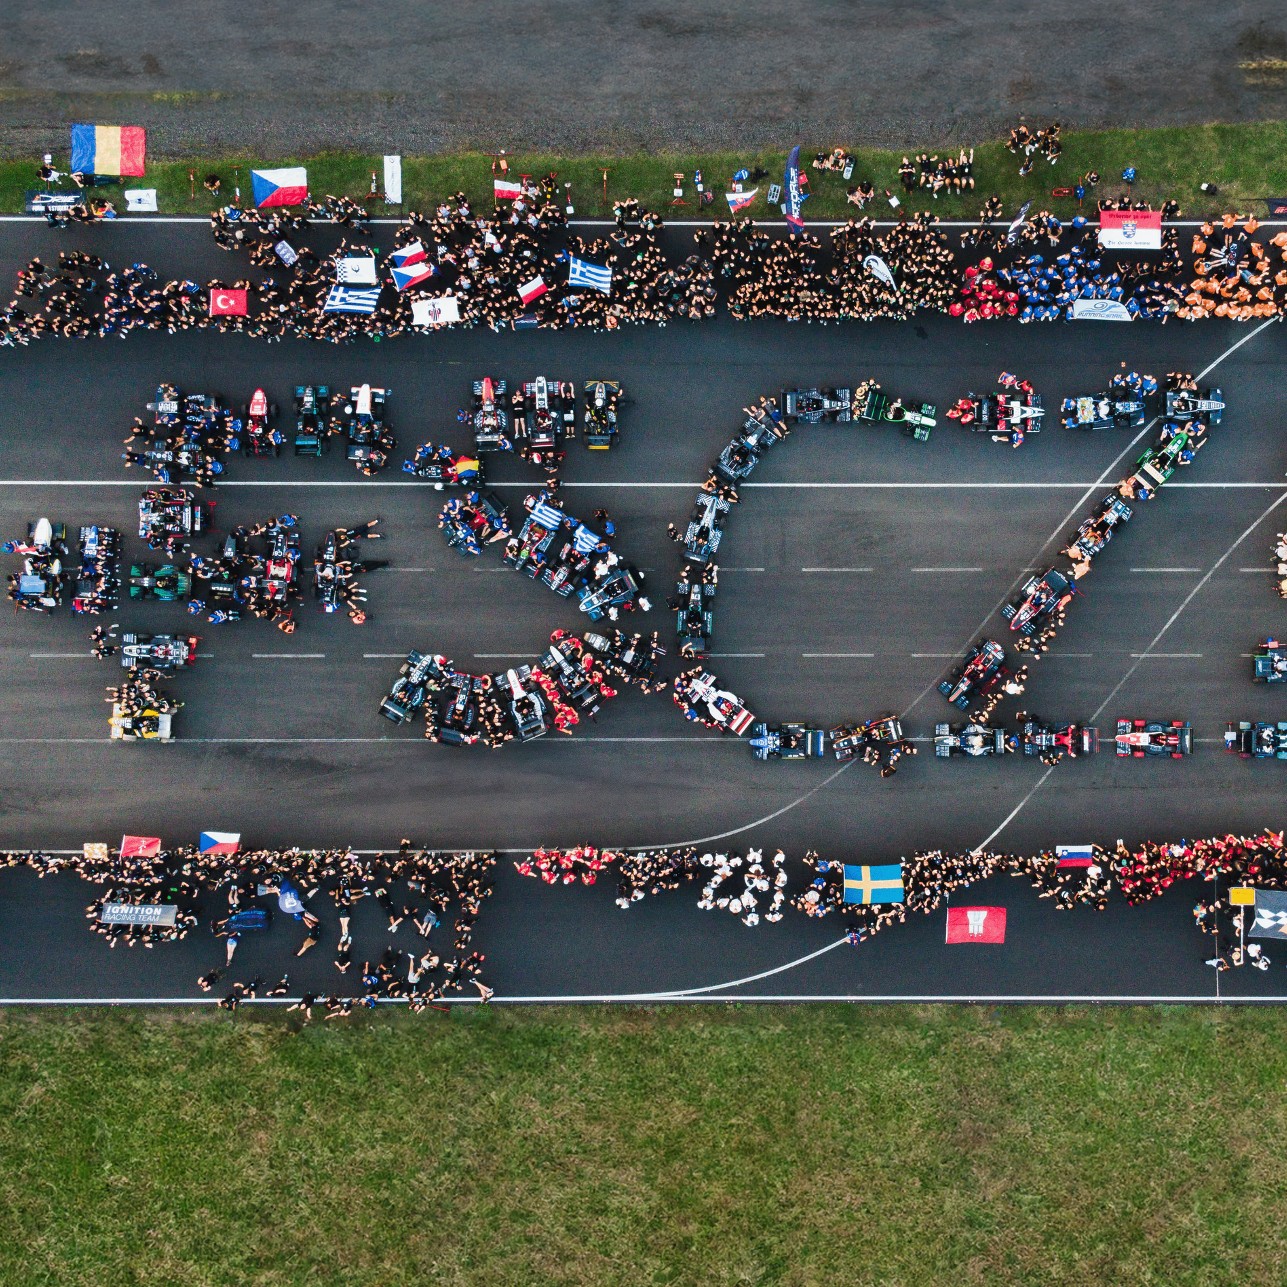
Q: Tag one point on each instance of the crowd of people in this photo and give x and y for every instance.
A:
(510, 267)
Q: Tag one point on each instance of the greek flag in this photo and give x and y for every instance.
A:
(591, 276)
(344, 299)
(547, 516)
(584, 541)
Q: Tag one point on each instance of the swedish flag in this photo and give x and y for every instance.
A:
(874, 884)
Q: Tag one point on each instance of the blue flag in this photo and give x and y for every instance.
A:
(591, 276)
(347, 299)
(874, 884)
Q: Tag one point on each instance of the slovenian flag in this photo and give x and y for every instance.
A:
(506, 189)
(738, 201)
(219, 842)
(107, 149)
(403, 278)
(532, 290)
(592, 276)
(1074, 855)
(405, 256)
(288, 187)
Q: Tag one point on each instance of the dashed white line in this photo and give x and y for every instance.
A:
(945, 569)
(1191, 570)
(44, 656)
(1259, 570)
(735, 654)
(1152, 656)
(502, 656)
(385, 656)
(837, 654)
(288, 656)
(836, 569)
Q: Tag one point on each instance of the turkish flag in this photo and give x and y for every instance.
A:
(228, 303)
(976, 924)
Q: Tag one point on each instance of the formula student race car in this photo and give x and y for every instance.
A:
(281, 567)
(1139, 737)
(489, 417)
(474, 520)
(38, 584)
(98, 581)
(362, 422)
(1007, 409)
(631, 658)
(544, 413)
(697, 695)
(311, 428)
(787, 742)
(1116, 409)
(258, 437)
(158, 652)
(694, 617)
(975, 740)
(1269, 663)
(146, 724)
(984, 669)
(873, 406)
(1261, 741)
(813, 406)
(168, 516)
(437, 465)
(417, 676)
(599, 426)
(165, 583)
(848, 741)
(1184, 405)
(739, 459)
(1040, 597)
(1072, 740)
(705, 527)
(1160, 461)
(558, 665)
(1096, 531)
(619, 590)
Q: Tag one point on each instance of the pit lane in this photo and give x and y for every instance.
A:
(287, 747)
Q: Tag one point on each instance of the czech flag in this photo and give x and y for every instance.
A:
(532, 290)
(228, 303)
(140, 846)
(107, 149)
(408, 255)
(219, 842)
(738, 201)
(404, 278)
(506, 189)
(287, 187)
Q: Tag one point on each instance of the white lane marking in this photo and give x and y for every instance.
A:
(1188, 598)
(1149, 656)
(288, 656)
(1257, 569)
(402, 569)
(735, 654)
(921, 655)
(385, 656)
(61, 655)
(945, 569)
(498, 656)
(299, 483)
(752, 978)
(1014, 813)
(1166, 569)
(836, 569)
(837, 654)
(723, 570)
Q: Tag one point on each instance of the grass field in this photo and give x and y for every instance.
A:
(728, 1145)
(1247, 163)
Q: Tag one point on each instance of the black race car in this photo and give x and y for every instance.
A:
(1073, 740)
(558, 663)
(787, 742)
(1096, 531)
(739, 459)
(311, 429)
(1261, 741)
(417, 677)
(475, 520)
(544, 414)
(168, 516)
(600, 423)
(362, 419)
(974, 740)
(158, 652)
(633, 659)
(813, 406)
(705, 527)
(694, 618)
(983, 670)
(848, 741)
(1040, 597)
(1189, 404)
(526, 704)
(489, 417)
(620, 589)
(1116, 409)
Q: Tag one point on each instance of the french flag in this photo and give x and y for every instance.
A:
(219, 842)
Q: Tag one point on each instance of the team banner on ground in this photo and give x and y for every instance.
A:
(1130, 229)
(1100, 310)
(138, 913)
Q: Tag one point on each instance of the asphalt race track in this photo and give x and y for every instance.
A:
(858, 566)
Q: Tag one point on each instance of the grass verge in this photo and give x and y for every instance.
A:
(801, 1145)
(1246, 162)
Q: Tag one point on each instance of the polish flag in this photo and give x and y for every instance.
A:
(506, 189)
(976, 924)
(532, 290)
(228, 303)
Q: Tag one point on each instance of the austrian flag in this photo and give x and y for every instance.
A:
(532, 290)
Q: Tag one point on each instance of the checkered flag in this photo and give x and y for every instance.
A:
(1271, 914)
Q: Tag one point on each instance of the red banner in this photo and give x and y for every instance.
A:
(976, 924)
(228, 303)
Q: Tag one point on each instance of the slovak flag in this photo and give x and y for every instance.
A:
(219, 842)
(738, 201)
(288, 187)
(976, 924)
(404, 278)
(532, 290)
(506, 190)
(408, 255)
(228, 303)
(140, 846)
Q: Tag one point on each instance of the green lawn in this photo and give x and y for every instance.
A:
(1247, 162)
(825, 1144)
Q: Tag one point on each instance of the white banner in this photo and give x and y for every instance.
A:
(141, 200)
(356, 270)
(393, 180)
(442, 310)
(1100, 310)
